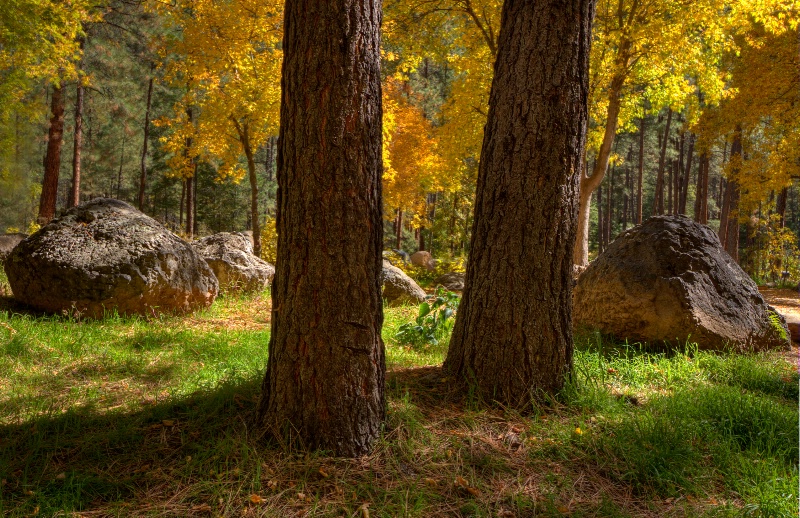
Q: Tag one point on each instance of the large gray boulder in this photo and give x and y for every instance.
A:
(104, 255)
(670, 280)
(8, 242)
(399, 288)
(231, 257)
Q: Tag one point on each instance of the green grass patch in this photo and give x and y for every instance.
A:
(152, 417)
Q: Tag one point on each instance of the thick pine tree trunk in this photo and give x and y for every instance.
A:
(325, 376)
(513, 333)
(143, 163)
(52, 159)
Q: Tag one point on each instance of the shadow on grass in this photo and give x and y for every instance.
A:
(81, 459)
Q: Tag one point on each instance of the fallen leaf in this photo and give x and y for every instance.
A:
(431, 482)
(562, 509)
(168, 422)
(61, 476)
(365, 511)
(301, 496)
(323, 473)
(272, 484)
(202, 508)
(578, 431)
(256, 499)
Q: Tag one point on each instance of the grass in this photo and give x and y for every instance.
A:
(133, 417)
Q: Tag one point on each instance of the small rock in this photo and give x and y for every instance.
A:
(423, 259)
(231, 257)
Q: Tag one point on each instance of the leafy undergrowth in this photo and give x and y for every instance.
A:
(132, 417)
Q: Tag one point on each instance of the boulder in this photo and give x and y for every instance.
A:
(231, 257)
(104, 255)
(423, 259)
(453, 281)
(399, 288)
(670, 280)
(7, 244)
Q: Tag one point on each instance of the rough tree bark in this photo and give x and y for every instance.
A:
(325, 378)
(52, 159)
(513, 333)
(143, 164)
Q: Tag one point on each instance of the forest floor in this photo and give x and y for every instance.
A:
(133, 417)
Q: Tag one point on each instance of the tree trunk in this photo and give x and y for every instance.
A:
(524, 231)
(601, 225)
(190, 183)
(658, 201)
(121, 162)
(589, 184)
(780, 206)
(244, 138)
(325, 377)
(687, 174)
(143, 175)
(77, 141)
(52, 159)
(701, 198)
(640, 179)
(399, 230)
(729, 219)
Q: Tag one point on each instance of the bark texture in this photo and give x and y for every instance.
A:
(513, 334)
(324, 386)
(52, 158)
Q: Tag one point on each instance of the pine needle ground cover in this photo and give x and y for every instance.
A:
(151, 417)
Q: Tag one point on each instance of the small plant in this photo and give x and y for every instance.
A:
(435, 320)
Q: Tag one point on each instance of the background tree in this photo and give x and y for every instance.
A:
(227, 54)
(513, 332)
(326, 368)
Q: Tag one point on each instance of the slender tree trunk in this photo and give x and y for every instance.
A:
(609, 208)
(190, 180)
(590, 183)
(121, 162)
(52, 159)
(729, 219)
(183, 199)
(701, 198)
(326, 370)
(658, 202)
(244, 138)
(601, 223)
(143, 164)
(77, 141)
(780, 206)
(399, 230)
(525, 224)
(687, 174)
(640, 179)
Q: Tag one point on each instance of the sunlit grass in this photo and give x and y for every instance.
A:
(145, 417)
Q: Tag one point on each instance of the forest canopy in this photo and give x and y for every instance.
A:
(172, 105)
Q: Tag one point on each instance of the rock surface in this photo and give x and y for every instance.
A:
(670, 280)
(453, 281)
(423, 259)
(399, 288)
(104, 255)
(231, 257)
(7, 244)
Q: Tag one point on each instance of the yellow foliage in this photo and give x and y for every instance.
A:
(412, 166)
(228, 58)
